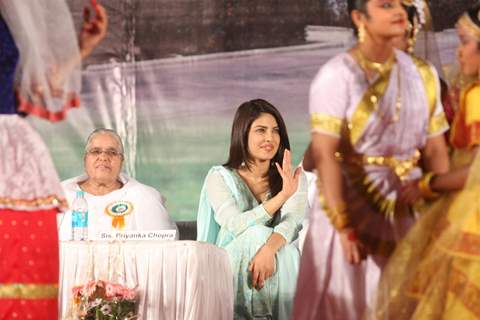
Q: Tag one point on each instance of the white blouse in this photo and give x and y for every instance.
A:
(148, 211)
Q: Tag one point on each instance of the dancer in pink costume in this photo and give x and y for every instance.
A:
(374, 110)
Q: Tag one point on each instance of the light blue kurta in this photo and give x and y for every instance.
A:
(230, 217)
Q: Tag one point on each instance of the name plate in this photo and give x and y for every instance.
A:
(168, 235)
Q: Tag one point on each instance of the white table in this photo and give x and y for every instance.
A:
(176, 280)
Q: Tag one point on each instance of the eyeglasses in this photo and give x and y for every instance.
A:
(110, 153)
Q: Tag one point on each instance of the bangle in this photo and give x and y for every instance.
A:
(425, 188)
(338, 216)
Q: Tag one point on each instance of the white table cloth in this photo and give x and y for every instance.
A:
(176, 280)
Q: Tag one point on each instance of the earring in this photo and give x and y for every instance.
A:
(409, 28)
(362, 33)
(410, 45)
(412, 40)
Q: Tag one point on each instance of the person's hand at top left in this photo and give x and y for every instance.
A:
(94, 28)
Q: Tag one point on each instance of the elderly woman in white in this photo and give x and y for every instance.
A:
(105, 187)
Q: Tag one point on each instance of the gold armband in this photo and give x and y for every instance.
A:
(425, 188)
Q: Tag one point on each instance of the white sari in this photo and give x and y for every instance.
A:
(342, 105)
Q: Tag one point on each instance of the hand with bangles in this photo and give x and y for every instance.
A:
(410, 192)
(353, 250)
(414, 190)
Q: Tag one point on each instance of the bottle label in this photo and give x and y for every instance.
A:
(79, 219)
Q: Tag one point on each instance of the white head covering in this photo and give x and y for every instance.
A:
(48, 74)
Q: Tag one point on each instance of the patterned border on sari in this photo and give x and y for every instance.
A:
(373, 94)
(28, 291)
(26, 106)
(466, 245)
(326, 123)
(459, 285)
(367, 106)
(437, 123)
(465, 291)
(469, 244)
(41, 202)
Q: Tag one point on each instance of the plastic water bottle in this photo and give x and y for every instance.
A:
(80, 217)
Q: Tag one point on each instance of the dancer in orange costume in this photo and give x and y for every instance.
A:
(435, 271)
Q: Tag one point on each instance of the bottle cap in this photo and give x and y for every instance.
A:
(80, 193)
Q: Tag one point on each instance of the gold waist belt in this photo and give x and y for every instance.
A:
(401, 168)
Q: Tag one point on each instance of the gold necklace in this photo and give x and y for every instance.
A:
(382, 69)
(374, 66)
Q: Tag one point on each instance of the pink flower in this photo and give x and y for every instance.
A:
(114, 289)
(110, 290)
(97, 293)
(130, 294)
(76, 291)
(90, 288)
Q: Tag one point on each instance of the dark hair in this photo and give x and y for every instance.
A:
(474, 13)
(413, 17)
(360, 5)
(412, 13)
(246, 114)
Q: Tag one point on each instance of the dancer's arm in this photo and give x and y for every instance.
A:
(435, 159)
(435, 155)
(453, 180)
(308, 163)
(323, 149)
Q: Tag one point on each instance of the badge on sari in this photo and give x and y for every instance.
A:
(118, 210)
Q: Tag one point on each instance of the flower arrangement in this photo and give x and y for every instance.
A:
(102, 300)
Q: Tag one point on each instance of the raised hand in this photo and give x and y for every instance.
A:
(93, 29)
(290, 181)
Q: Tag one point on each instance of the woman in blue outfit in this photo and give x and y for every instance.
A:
(253, 207)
